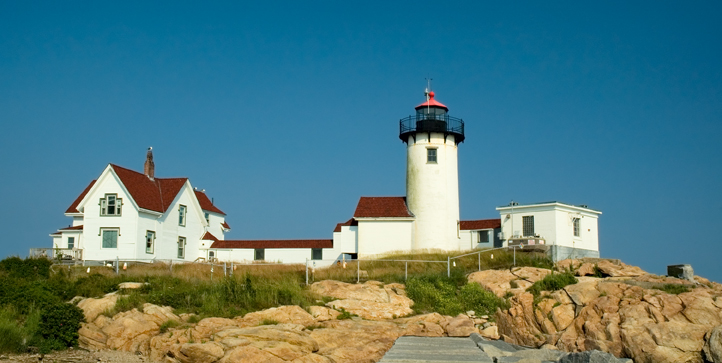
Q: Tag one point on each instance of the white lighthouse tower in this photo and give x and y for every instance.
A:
(432, 177)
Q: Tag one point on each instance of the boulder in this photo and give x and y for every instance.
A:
(460, 326)
(713, 345)
(290, 314)
(322, 313)
(93, 307)
(426, 325)
(131, 285)
(201, 353)
(355, 340)
(496, 281)
(370, 300)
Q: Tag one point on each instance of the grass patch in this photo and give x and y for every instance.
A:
(674, 289)
(168, 324)
(451, 296)
(268, 322)
(345, 315)
(552, 282)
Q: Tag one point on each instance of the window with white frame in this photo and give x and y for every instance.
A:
(575, 223)
(109, 237)
(110, 205)
(317, 253)
(259, 254)
(71, 242)
(208, 218)
(211, 256)
(181, 247)
(149, 241)
(431, 155)
(483, 236)
(527, 223)
(182, 210)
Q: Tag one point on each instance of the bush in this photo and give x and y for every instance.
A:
(168, 324)
(674, 289)
(474, 297)
(552, 282)
(29, 268)
(59, 325)
(433, 293)
(345, 315)
(13, 339)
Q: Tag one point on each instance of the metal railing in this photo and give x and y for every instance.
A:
(431, 123)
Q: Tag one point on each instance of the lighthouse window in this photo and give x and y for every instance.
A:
(431, 155)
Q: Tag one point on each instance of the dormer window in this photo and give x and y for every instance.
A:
(110, 205)
(182, 210)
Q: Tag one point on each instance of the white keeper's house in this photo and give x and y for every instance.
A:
(130, 215)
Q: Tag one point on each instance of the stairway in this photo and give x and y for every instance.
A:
(432, 350)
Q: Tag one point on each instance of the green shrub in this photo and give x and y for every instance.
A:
(552, 282)
(474, 297)
(13, 338)
(29, 268)
(434, 293)
(345, 315)
(59, 325)
(674, 289)
(169, 324)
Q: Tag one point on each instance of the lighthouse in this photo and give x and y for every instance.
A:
(432, 139)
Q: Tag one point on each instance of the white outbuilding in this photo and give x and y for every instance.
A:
(565, 230)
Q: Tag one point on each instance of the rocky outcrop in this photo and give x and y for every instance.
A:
(620, 318)
(94, 307)
(283, 334)
(515, 280)
(371, 300)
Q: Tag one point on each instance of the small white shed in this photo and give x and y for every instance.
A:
(570, 231)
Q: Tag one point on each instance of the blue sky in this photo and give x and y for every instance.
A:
(287, 112)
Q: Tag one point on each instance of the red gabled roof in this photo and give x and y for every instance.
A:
(156, 195)
(480, 224)
(377, 207)
(225, 225)
(350, 222)
(209, 237)
(297, 243)
(74, 207)
(206, 203)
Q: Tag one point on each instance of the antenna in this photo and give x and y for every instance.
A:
(426, 93)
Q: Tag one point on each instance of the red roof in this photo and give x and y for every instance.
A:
(290, 243)
(156, 195)
(209, 237)
(432, 102)
(74, 207)
(206, 203)
(480, 224)
(376, 207)
(225, 225)
(71, 228)
(350, 222)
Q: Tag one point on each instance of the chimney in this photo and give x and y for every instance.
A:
(149, 168)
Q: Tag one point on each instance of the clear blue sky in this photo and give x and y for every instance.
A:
(287, 112)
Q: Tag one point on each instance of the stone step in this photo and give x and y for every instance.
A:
(432, 350)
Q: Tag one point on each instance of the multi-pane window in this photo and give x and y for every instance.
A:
(575, 222)
(211, 256)
(259, 254)
(110, 205)
(182, 210)
(527, 223)
(483, 236)
(431, 155)
(317, 253)
(71, 242)
(109, 238)
(181, 247)
(149, 241)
